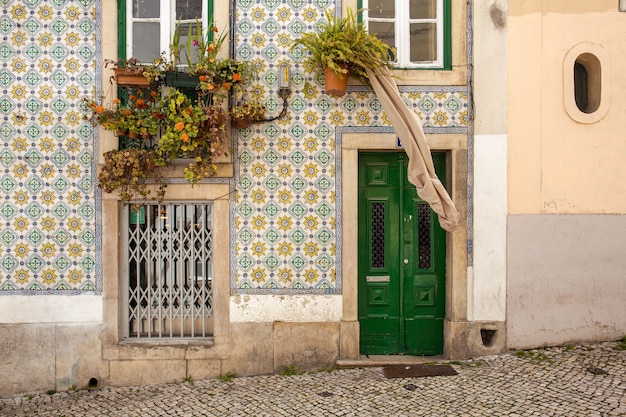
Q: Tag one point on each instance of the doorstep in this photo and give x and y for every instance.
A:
(386, 360)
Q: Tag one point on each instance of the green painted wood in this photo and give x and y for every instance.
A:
(401, 293)
(121, 29)
(447, 33)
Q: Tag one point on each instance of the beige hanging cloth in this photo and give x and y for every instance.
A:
(421, 170)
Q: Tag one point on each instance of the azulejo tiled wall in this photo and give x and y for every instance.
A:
(48, 210)
(285, 226)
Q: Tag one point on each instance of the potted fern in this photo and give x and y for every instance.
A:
(343, 48)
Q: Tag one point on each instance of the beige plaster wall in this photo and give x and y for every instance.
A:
(566, 281)
(565, 267)
(556, 163)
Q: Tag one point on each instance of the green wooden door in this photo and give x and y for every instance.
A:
(401, 260)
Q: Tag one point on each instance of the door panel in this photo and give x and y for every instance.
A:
(401, 261)
(380, 330)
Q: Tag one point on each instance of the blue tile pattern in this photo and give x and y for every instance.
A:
(47, 207)
(286, 223)
(287, 204)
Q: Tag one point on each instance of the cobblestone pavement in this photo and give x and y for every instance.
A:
(586, 380)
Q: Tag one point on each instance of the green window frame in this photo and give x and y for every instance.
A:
(399, 29)
(125, 19)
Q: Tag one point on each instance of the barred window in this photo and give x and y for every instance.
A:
(168, 271)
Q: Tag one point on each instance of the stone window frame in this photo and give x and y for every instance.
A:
(115, 347)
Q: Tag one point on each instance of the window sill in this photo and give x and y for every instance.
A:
(175, 170)
(159, 349)
(430, 76)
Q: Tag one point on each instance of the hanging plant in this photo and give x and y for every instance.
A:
(194, 131)
(141, 116)
(246, 113)
(129, 172)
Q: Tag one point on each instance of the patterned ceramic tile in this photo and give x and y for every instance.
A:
(48, 198)
(285, 227)
(286, 209)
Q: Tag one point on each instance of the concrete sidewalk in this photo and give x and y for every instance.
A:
(586, 380)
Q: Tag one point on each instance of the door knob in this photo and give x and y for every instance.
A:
(406, 261)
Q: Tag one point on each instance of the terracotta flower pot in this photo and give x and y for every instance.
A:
(128, 78)
(335, 85)
(240, 122)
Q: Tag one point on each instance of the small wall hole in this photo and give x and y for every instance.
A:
(93, 383)
(487, 336)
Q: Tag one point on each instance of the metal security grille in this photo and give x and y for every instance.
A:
(169, 270)
(378, 235)
(423, 230)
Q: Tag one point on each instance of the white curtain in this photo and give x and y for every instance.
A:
(421, 170)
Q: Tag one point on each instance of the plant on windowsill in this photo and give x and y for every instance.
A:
(213, 77)
(130, 73)
(140, 117)
(192, 130)
(341, 49)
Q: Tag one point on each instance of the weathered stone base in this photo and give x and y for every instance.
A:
(60, 357)
(464, 340)
(41, 357)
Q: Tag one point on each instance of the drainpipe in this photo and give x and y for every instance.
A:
(470, 160)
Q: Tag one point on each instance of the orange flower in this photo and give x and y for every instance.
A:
(236, 77)
(214, 29)
(132, 97)
(179, 126)
(211, 48)
(140, 102)
(202, 78)
(116, 101)
(227, 86)
(127, 112)
(99, 109)
(184, 137)
(153, 93)
(188, 111)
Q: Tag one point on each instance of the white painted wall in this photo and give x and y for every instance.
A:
(487, 279)
(487, 298)
(37, 308)
(293, 308)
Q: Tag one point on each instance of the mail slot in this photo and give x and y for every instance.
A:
(384, 278)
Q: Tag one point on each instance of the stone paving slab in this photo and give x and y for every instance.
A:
(586, 380)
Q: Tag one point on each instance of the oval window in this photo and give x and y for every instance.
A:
(587, 83)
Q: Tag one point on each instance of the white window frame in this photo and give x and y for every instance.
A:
(402, 38)
(167, 21)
